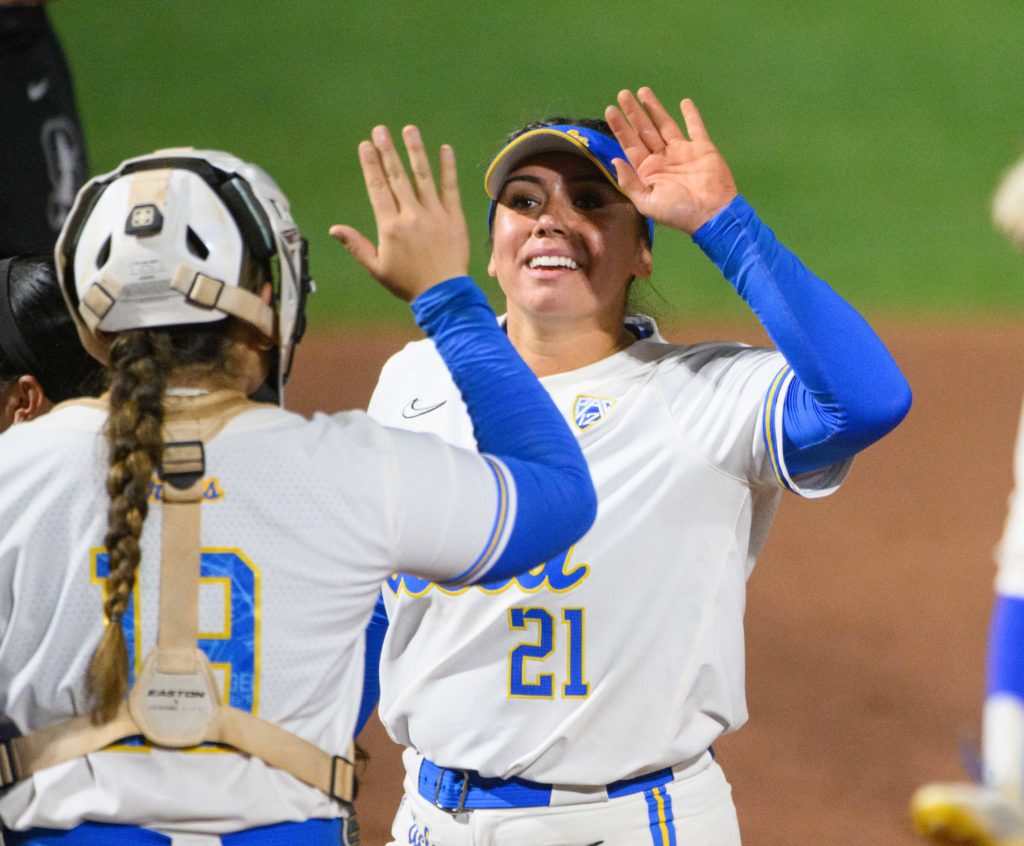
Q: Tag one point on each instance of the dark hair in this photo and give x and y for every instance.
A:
(37, 334)
(141, 360)
(594, 124)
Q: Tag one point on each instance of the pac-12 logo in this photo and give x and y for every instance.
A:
(587, 411)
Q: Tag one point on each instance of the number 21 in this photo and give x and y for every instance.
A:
(543, 686)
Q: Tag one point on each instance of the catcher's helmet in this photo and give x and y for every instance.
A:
(164, 239)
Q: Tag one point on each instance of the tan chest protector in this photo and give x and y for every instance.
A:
(174, 701)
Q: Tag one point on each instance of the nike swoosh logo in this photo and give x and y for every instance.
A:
(36, 90)
(414, 410)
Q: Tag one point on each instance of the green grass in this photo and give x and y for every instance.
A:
(868, 134)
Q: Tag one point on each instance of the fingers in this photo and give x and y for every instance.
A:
(422, 175)
(632, 145)
(421, 241)
(643, 126)
(392, 165)
(650, 127)
(694, 122)
(629, 183)
(450, 197)
(387, 182)
(377, 188)
(358, 245)
(662, 120)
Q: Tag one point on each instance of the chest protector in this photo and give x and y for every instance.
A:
(174, 701)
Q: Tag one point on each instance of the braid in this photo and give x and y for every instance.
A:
(140, 361)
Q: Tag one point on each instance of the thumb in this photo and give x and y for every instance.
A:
(361, 247)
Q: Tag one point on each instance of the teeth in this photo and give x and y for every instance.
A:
(553, 261)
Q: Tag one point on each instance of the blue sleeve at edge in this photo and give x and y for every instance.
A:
(515, 420)
(848, 391)
(375, 631)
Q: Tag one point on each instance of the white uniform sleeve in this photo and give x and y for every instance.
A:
(452, 509)
(727, 400)
(810, 485)
(1010, 550)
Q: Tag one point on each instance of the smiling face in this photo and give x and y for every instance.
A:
(565, 242)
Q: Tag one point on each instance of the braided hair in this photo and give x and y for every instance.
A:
(141, 362)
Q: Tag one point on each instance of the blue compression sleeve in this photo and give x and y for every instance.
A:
(1005, 670)
(848, 391)
(375, 631)
(515, 420)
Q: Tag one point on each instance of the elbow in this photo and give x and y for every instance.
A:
(861, 416)
(894, 404)
(886, 407)
(902, 400)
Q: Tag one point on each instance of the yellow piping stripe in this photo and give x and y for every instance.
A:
(499, 526)
(661, 815)
(769, 404)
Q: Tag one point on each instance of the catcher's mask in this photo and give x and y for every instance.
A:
(164, 240)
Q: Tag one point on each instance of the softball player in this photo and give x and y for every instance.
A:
(992, 813)
(41, 359)
(268, 535)
(577, 704)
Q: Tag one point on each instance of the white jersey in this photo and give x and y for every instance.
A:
(301, 522)
(625, 654)
(1010, 550)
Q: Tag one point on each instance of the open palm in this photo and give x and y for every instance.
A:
(678, 181)
(420, 224)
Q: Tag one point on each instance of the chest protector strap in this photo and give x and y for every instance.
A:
(174, 701)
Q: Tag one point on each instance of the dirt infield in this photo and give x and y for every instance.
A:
(867, 612)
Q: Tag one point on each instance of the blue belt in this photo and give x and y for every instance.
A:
(308, 833)
(465, 790)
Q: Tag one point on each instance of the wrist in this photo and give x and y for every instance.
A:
(718, 226)
(715, 211)
(446, 297)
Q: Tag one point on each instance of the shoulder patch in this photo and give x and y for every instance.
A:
(588, 411)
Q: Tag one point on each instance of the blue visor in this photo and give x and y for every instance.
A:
(595, 146)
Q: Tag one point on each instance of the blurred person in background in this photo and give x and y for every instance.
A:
(991, 812)
(42, 360)
(42, 153)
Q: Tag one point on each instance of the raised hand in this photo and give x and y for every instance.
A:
(422, 231)
(678, 181)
